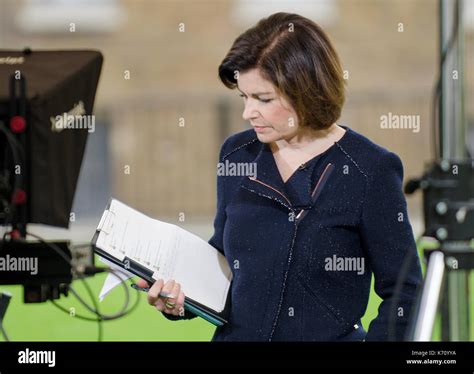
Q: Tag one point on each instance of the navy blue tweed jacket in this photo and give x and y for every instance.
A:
(294, 267)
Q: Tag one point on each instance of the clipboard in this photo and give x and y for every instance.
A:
(200, 310)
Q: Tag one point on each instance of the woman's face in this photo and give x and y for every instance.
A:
(270, 115)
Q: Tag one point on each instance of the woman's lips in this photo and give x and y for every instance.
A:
(260, 128)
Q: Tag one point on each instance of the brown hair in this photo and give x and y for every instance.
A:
(296, 55)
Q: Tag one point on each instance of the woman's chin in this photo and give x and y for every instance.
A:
(265, 138)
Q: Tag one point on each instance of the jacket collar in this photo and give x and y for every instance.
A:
(269, 183)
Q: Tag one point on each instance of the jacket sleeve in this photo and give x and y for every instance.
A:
(387, 239)
(217, 239)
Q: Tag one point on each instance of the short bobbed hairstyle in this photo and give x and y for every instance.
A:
(297, 57)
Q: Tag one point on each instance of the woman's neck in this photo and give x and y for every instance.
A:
(308, 140)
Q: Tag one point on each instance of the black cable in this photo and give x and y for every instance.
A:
(17, 154)
(95, 310)
(4, 333)
(79, 316)
(53, 246)
(96, 307)
(437, 91)
(98, 319)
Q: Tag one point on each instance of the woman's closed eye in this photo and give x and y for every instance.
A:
(261, 100)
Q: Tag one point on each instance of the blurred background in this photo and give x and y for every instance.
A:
(162, 114)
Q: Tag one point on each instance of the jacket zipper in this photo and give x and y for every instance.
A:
(299, 217)
(274, 189)
(314, 195)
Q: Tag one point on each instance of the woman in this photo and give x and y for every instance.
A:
(325, 210)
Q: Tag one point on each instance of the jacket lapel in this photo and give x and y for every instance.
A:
(268, 182)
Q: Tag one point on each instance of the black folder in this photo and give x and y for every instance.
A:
(138, 269)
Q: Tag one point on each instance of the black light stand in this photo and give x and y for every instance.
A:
(448, 196)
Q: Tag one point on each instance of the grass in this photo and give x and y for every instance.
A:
(44, 322)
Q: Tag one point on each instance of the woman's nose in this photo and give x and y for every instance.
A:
(249, 110)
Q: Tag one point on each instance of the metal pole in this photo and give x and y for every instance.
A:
(452, 118)
(453, 146)
(430, 297)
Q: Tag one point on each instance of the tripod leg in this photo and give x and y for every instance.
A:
(458, 305)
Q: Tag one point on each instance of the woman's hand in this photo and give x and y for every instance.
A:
(174, 304)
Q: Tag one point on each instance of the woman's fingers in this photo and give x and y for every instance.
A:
(160, 305)
(142, 283)
(173, 304)
(154, 292)
(180, 304)
(170, 302)
(177, 300)
(167, 288)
